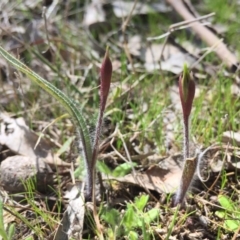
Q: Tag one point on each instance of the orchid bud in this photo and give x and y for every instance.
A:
(105, 75)
(186, 91)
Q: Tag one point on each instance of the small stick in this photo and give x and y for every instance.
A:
(206, 35)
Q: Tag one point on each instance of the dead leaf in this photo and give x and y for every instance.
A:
(94, 13)
(216, 165)
(153, 52)
(171, 59)
(173, 64)
(124, 8)
(231, 137)
(221, 157)
(15, 134)
(135, 45)
(164, 177)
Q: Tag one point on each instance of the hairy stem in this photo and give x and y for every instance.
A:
(189, 169)
(186, 153)
(105, 77)
(189, 165)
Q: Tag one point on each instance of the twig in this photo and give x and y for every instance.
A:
(48, 125)
(175, 27)
(236, 234)
(124, 25)
(127, 152)
(206, 35)
(180, 26)
(220, 173)
(200, 157)
(209, 50)
(123, 28)
(45, 25)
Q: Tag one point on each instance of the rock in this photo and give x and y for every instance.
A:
(15, 170)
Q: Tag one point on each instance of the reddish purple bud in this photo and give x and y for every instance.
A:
(186, 91)
(105, 75)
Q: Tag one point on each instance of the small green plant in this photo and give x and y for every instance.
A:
(230, 213)
(8, 233)
(131, 221)
(89, 148)
(120, 171)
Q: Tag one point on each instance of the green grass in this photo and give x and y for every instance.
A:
(219, 115)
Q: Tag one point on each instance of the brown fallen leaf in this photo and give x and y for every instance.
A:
(164, 177)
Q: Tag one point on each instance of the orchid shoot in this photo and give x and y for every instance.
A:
(105, 81)
(186, 92)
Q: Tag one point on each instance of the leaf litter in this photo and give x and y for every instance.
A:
(160, 172)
